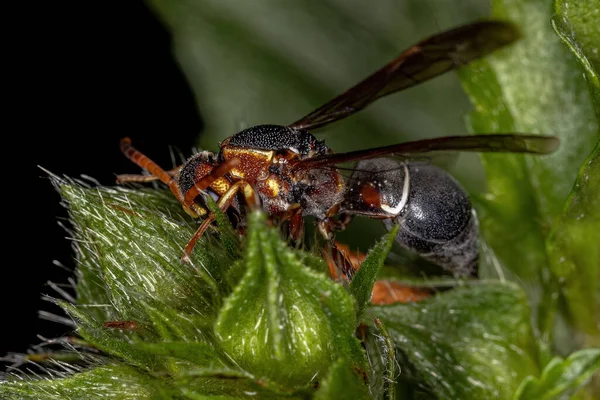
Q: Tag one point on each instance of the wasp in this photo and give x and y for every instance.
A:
(291, 174)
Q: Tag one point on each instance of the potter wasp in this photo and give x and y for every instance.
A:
(291, 174)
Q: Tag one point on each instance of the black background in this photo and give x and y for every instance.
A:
(98, 73)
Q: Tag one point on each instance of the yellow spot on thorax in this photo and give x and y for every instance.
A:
(274, 186)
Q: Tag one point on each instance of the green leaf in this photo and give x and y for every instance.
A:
(389, 353)
(378, 354)
(124, 382)
(548, 97)
(96, 383)
(561, 378)
(534, 86)
(574, 242)
(576, 23)
(574, 248)
(266, 62)
(131, 243)
(316, 263)
(473, 342)
(204, 383)
(229, 237)
(201, 354)
(342, 382)
(361, 286)
(190, 394)
(108, 340)
(285, 321)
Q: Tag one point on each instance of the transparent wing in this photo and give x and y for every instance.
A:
(502, 143)
(425, 60)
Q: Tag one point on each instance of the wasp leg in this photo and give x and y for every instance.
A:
(124, 178)
(325, 229)
(296, 225)
(342, 223)
(342, 264)
(144, 162)
(345, 262)
(224, 203)
(201, 185)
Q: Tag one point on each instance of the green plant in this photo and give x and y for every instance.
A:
(254, 318)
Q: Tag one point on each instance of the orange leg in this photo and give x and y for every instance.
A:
(341, 258)
(342, 263)
(218, 172)
(224, 203)
(197, 235)
(296, 225)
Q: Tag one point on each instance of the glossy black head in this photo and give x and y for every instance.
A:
(278, 138)
(434, 212)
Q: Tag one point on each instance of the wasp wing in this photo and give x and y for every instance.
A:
(501, 143)
(425, 60)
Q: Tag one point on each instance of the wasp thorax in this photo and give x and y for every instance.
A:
(318, 192)
(278, 138)
(434, 212)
